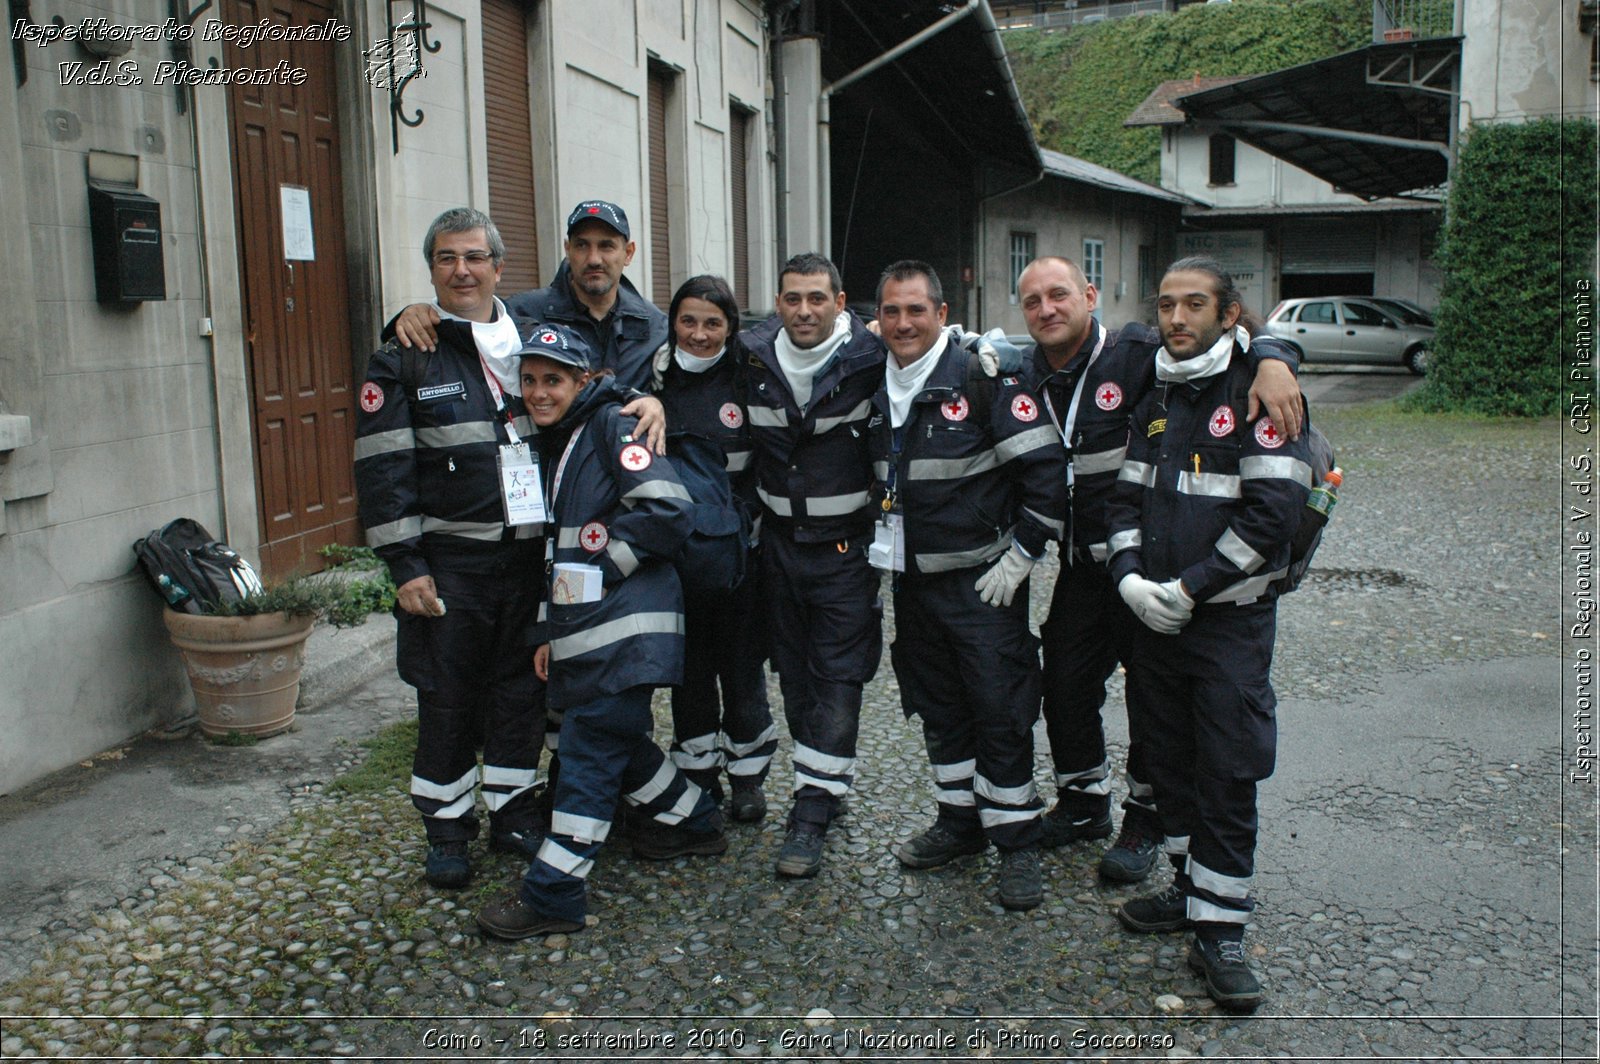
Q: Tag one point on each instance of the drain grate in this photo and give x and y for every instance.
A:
(1358, 579)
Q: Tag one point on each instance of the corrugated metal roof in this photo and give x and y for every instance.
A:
(1075, 169)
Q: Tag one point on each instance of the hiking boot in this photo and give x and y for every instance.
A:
(801, 855)
(523, 843)
(1062, 827)
(448, 865)
(663, 842)
(1166, 910)
(509, 917)
(1133, 855)
(1020, 884)
(939, 845)
(749, 804)
(1229, 980)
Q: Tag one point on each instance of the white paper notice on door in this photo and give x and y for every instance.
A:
(297, 242)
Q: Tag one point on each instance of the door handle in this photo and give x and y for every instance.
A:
(1300, 330)
(1349, 332)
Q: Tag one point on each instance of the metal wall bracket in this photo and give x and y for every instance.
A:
(395, 63)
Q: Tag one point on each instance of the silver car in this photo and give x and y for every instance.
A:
(1351, 329)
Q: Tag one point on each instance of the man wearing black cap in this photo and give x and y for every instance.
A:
(588, 294)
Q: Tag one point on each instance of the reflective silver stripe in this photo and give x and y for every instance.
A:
(1098, 551)
(1137, 473)
(881, 470)
(1282, 467)
(1200, 909)
(961, 770)
(445, 792)
(688, 762)
(564, 860)
(1023, 442)
(603, 635)
(957, 796)
(524, 426)
(455, 809)
(385, 443)
(1058, 527)
(1176, 845)
(805, 779)
(1216, 883)
(394, 532)
(655, 786)
(961, 559)
(697, 744)
(658, 489)
(1099, 462)
(836, 505)
(622, 557)
(738, 461)
(768, 417)
(833, 766)
(1096, 780)
(1213, 485)
(778, 504)
(828, 424)
(500, 776)
(1122, 541)
(992, 818)
(567, 538)
(528, 532)
(1246, 591)
(586, 828)
(1023, 795)
(1240, 553)
(490, 531)
(743, 749)
(682, 807)
(456, 435)
(952, 468)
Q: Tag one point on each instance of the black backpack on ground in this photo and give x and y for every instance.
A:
(191, 570)
(713, 557)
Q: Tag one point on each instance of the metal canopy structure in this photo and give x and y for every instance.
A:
(1374, 122)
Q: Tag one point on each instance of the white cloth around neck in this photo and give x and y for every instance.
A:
(903, 385)
(801, 365)
(498, 342)
(694, 363)
(1201, 366)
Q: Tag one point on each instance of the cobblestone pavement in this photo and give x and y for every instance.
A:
(1426, 886)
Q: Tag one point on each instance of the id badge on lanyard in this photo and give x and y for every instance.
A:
(888, 550)
(521, 489)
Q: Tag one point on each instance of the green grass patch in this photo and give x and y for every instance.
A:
(388, 762)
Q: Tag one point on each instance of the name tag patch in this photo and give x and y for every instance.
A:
(440, 391)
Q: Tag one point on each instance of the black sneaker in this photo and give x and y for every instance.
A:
(939, 845)
(663, 842)
(1133, 855)
(1061, 827)
(749, 804)
(448, 865)
(522, 843)
(509, 917)
(801, 855)
(1229, 980)
(1153, 914)
(1020, 884)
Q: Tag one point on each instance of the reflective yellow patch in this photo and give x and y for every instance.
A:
(1157, 427)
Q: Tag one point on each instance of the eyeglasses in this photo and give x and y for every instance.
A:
(473, 259)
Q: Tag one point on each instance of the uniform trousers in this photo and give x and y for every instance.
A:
(971, 672)
(827, 638)
(606, 753)
(1088, 631)
(725, 647)
(1206, 708)
(473, 671)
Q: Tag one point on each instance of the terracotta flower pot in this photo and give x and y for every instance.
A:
(245, 671)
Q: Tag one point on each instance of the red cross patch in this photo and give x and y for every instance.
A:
(548, 338)
(593, 537)
(635, 458)
(956, 409)
(731, 415)
(594, 210)
(371, 398)
(1024, 408)
(1221, 421)
(1267, 434)
(1108, 396)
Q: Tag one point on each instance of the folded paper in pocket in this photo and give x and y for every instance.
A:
(573, 584)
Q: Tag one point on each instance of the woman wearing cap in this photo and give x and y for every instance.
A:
(617, 514)
(699, 378)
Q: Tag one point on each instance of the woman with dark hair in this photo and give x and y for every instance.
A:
(699, 378)
(616, 514)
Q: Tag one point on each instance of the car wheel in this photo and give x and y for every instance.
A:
(1416, 359)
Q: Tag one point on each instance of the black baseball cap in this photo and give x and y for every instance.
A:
(601, 211)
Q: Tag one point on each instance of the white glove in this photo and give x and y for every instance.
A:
(999, 585)
(1180, 598)
(1153, 604)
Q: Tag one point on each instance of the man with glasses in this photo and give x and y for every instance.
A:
(435, 443)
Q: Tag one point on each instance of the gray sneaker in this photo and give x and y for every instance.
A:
(1021, 887)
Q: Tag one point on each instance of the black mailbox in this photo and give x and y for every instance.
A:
(126, 229)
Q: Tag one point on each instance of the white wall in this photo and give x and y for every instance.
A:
(1260, 180)
(1523, 59)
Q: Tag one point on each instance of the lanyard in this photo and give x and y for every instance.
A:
(499, 394)
(1066, 427)
(561, 468)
